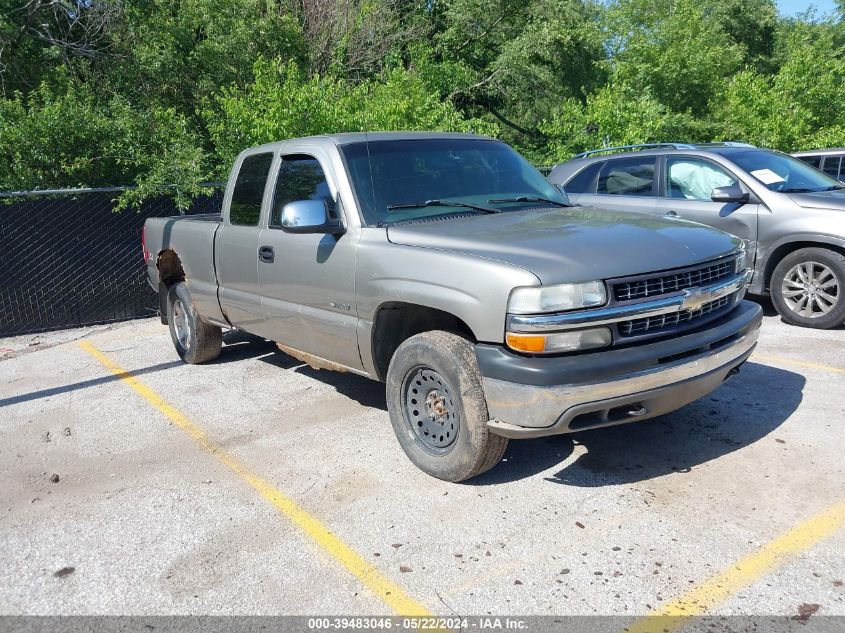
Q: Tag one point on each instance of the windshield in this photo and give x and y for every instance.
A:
(392, 177)
(783, 173)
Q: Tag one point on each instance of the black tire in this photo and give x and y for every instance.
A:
(443, 368)
(785, 281)
(199, 342)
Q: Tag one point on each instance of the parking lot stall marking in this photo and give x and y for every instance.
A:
(798, 363)
(675, 615)
(370, 577)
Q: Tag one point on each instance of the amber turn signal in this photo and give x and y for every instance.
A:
(526, 342)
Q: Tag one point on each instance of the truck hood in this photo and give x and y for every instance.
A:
(574, 244)
(830, 200)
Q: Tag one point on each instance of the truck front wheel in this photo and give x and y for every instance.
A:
(435, 398)
(195, 340)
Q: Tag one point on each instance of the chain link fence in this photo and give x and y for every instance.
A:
(68, 259)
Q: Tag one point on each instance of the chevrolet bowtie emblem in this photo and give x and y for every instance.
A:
(695, 298)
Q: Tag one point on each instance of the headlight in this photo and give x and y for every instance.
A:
(559, 341)
(741, 261)
(536, 299)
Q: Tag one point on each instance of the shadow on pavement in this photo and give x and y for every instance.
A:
(742, 411)
(745, 409)
(84, 384)
(239, 346)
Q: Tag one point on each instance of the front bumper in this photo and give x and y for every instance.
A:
(538, 396)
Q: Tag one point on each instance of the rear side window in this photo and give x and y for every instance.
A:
(830, 166)
(627, 177)
(813, 161)
(584, 181)
(245, 208)
(300, 178)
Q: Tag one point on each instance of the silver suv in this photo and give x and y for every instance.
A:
(827, 160)
(790, 215)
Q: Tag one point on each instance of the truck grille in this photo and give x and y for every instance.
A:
(650, 325)
(673, 282)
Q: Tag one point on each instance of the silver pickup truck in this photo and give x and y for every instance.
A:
(447, 267)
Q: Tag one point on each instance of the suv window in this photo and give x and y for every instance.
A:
(813, 161)
(245, 207)
(694, 179)
(301, 177)
(783, 173)
(585, 180)
(627, 177)
(830, 166)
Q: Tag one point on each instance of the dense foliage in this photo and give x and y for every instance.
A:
(166, 92)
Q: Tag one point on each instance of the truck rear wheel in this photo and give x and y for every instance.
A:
(807, 288)
(435, 398)
(195, 340)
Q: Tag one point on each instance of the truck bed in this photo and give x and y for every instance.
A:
(192, 236)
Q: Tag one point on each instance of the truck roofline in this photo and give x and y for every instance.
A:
(347, 138)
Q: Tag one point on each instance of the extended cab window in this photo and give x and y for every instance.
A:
(585, 180)
(628, 177)
(300, 178)
(694, 179)
(245, 208)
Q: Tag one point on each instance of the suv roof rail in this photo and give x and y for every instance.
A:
(639, 147)
(725, 144)
(647, 146)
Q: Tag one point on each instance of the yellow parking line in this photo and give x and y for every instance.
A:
(370, 577)
(674, 615)
(798, 363)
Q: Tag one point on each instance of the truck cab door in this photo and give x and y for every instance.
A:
(236, 244)
(307, 280)
(688, 183)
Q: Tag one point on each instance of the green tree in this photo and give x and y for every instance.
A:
(67, 138)
(515, 59)
(796, 108)
(616, 115)
(283, 103)
(672, 48)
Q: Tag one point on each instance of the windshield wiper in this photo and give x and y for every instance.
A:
(530, 199)
(800, 190)
(833, 188)
(441, 203)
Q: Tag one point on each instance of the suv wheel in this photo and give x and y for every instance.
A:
(195, 340)
(437, 408)
(807, 288)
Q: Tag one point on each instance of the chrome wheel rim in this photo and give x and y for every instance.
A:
(430, 409)
(181, 324)
(810, 289)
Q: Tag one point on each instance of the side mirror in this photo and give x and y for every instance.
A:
(729, 194)
(310, 216)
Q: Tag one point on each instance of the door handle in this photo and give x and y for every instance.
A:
(671, 214)
(266, 254)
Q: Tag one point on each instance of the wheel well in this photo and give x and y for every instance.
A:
(169, 268)
(170, 271)
(397, 321)
(785, 249)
